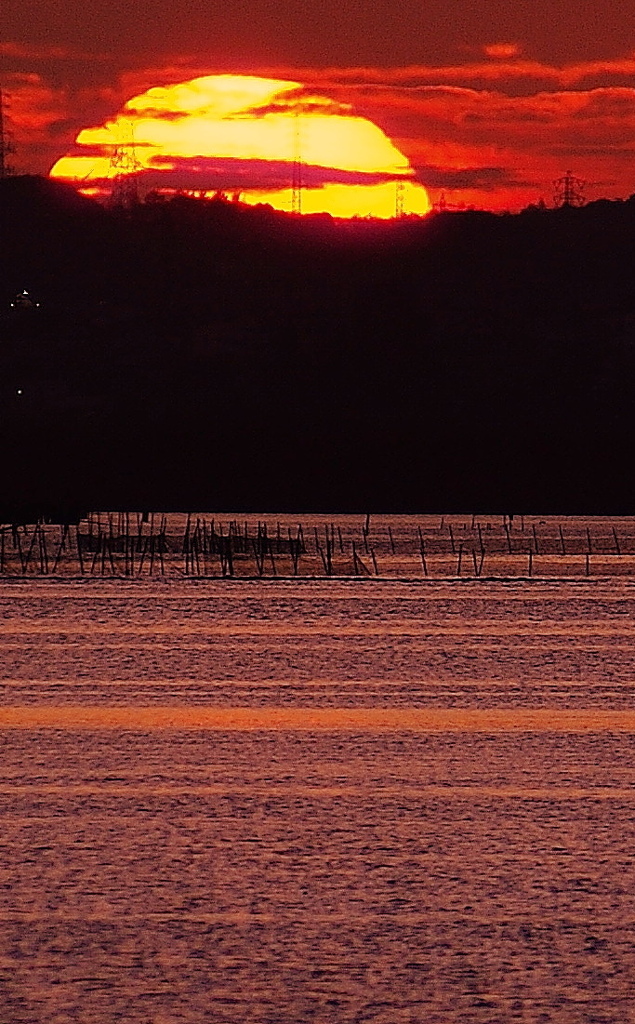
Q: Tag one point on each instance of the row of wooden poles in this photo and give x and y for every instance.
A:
(268, 547)
(535, 542)
(128, 545)
(204, 544)
(117, 545)
(476, 551)
(38, 549)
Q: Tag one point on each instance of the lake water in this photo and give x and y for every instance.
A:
(277, 801)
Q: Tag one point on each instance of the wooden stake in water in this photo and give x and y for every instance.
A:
(142, 554)
(162, 543)
(186, 553)
(260, 562)
(365, 535)
(294, 551)
(30, 549)
(113, 567)
(372, 555)
(16, 538)
(63, 535)
(78, 541)
(329, 552)
(323, 556)
(96, 552)
(422, 549)
(360, 568)
(44, 559)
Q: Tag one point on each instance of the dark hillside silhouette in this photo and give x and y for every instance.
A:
(207, 354)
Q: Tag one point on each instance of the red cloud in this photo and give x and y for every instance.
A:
(502, 126)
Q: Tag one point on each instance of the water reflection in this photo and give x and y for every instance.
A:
(208, 818)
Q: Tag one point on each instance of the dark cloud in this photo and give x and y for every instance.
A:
(158, 115)
(93, 150)
(299, 101)
(212, 173)
(482, 178)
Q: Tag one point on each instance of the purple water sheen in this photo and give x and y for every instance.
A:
(277, 877)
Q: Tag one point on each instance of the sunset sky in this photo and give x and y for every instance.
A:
(487, 102)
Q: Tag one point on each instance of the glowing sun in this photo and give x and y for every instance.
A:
(271, 141)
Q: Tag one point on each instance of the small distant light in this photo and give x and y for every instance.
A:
(19, 391)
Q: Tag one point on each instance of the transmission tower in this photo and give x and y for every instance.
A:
(400, 198)
(296, 181)
(123, 169)
(569, 190)
(6, 147)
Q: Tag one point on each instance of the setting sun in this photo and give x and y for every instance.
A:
(252, 136)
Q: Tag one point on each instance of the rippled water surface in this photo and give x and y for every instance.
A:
(271, 802)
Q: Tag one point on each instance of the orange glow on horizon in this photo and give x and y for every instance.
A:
(244, 134)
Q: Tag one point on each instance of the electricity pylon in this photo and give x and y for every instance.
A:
(296, 182)
(6, 147)
(569, 190)
(124, 168)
